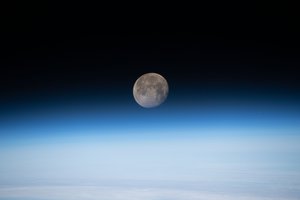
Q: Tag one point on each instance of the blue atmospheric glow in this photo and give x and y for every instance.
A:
(177, 154)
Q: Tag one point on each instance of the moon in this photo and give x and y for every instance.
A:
(150, 90)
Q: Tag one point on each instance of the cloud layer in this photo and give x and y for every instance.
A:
(124, 193)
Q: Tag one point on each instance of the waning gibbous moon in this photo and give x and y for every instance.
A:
(150, 90)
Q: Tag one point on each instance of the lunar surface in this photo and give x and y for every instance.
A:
(150, 90)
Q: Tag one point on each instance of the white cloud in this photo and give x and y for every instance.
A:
(123, 193)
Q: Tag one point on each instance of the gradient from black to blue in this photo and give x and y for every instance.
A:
(230, 68)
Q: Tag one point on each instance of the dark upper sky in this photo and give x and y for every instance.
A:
(84, 54)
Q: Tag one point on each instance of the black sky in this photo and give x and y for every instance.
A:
(82, 53)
